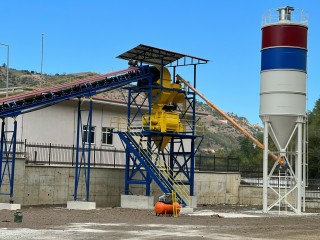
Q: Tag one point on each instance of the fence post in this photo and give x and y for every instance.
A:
(228, 159)
(238, 159)
(200, 159)
(214, 162)
(25, 147)
(35, 156)
(49, 153)
(94, 155)
(114, 158)
(72, 159)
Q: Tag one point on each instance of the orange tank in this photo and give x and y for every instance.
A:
(164, 208)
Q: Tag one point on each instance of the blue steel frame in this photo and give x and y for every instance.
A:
(175, 150)
(83, 161)
(7, 164)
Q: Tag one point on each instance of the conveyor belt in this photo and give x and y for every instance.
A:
(18, 104)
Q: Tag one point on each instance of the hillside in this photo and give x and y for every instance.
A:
(26, 78)
(219, 133)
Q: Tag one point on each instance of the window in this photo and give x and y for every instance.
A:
(107, 135)
(86, 134)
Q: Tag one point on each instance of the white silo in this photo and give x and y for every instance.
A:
(283, 103)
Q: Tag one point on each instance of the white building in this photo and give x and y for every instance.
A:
(57, 124)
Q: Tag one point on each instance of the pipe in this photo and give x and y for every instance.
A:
(223, 114)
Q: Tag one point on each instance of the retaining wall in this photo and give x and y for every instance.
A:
(43, 184)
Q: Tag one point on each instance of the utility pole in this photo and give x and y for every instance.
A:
(7, 82)
(42, 53)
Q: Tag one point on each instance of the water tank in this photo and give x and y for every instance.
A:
(283, 74)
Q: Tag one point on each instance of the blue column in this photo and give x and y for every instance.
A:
(76, 176)
(192, 168)
(171, 164)
(127, 170)
(126, 186)
(14, 141)
(89, 151)
(1, 150)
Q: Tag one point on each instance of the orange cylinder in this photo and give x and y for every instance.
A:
(164, 208)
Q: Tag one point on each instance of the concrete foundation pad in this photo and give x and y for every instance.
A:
(193, 202)
(137, 201)
(9, 206)
(186, 210)
(78, 205)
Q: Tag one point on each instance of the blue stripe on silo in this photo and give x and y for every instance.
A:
(284, 58)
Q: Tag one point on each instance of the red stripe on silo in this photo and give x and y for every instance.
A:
(284, 35)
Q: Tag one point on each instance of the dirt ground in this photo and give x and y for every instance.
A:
(207, 222)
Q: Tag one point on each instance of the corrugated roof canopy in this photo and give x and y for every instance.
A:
(158, 56)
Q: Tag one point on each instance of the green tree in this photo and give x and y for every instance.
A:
(249, 154)
(314, 141)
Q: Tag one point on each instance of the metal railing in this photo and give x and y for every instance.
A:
(254, 177)
(40, 153)
(213, 163)
(49, 153)
(297, 16)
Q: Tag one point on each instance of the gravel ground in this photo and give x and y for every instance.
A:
(208, 222)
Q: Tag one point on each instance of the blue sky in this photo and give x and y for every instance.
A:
(82, 36)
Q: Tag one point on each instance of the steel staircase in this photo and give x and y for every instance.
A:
(153, 164)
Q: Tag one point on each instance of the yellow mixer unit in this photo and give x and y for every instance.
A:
(164, 115)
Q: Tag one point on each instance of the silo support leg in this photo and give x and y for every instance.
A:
(299, 169)
(265, 167)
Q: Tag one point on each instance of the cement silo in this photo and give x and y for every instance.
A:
(283, 99)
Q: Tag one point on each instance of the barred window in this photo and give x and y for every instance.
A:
(86, 134)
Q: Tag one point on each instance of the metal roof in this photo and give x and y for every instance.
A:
(158, 56)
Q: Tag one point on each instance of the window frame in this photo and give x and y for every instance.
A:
(104, 135)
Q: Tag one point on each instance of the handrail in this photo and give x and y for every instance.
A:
(182, 192)
(245, 132)
(162, 170)
(148, 155)
(298, 16)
